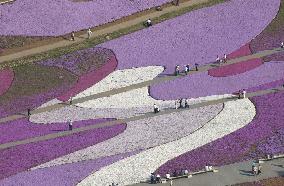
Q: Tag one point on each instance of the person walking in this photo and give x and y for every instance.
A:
(196, 66)
(73, 36)
(186, 70)
(186, 105)
(176, 103)
(149, 22)
(177, 70)
(244, 93)
(70, 124)
(171, 183)
(156, 109)
(282, 44)
(89, 33)
(29, 112)
(180, 103)
(217, 59)
(225, 58)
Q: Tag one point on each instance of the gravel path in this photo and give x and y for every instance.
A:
(235, 115)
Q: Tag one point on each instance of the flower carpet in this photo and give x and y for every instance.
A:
(126, 153)
(54, 18)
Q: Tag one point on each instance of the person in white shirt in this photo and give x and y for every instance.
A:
(149, 23)
(282, 44)
(244, 93)
(217, 59)
(168, 176)
(156, 109)
(225, 58)
(89, 33)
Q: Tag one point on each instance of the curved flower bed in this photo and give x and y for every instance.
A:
(32, 86)
(202, 84)
(271, 37)
(23, 128)
(197, 37)
(249, 142)
(69, 174)
(129, 99)
(53, 18)
(6, 79)
(23, 157)
(144, 134)
(235, 115)
(236, 68)
(90, 79)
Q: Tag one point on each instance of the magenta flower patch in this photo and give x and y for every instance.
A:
(22, 157)
(237, 68)
(6, 79)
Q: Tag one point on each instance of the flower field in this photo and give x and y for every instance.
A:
(219, 130)
(53, 18)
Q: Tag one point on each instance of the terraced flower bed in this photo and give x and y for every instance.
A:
(23, 157)
(249, 142)
(69, 174)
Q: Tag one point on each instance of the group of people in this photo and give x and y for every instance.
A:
(220, 60)
(89, 34)
(256, 168)
(242, 93)
(178, 71)
(155, 178)
(181, 103)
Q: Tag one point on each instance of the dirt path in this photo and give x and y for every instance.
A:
(107, 30)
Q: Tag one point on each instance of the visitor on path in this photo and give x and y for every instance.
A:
(176, 103)
(158, 178)
(149, 22)
(196, 66)
(217, 59)
(89, 33)
(185, 172)
(175, 174)
(71, 100)
(168, 176)
(29, 112)
(180, 103)
(177, 70)
(70, 124)
(73, 36)
(186, 70)
(156, 109)
(186, 105)
(240, 94)
(171, 183)
(282, 44)
(244, 93)
(152, 178)
(255, 170)
(225, 58)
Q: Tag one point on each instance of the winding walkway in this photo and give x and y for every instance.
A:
(159, 79)
(134, 118)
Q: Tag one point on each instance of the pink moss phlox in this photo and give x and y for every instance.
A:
(6, 79)
(236, 68)
(89, 79)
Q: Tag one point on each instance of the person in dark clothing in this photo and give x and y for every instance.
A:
(29, 112)
(177, 2)
(70, 124)
(180, 103)
(196, 66)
